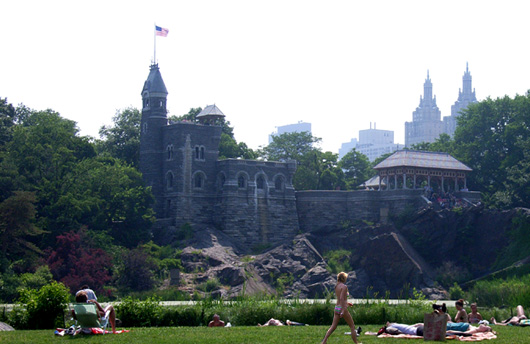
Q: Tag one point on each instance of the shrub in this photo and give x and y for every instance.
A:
(135, 313)
(338, 260)
(44, 308)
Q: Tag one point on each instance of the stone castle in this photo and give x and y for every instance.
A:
(252, 201)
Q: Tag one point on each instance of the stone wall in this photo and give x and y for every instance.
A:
(256, 202)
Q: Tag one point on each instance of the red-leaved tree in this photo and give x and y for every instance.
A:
(75, 264)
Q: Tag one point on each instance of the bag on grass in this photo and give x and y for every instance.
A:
(435, 326)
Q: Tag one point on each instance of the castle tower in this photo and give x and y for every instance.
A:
(466, 96)
(154, 118)
(426, 125)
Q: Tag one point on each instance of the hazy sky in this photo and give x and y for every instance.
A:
(336, 64)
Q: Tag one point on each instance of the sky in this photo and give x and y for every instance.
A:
(338, 64)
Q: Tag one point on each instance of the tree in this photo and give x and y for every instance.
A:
(357, 168)
(136, 273)
(443, 143)
(290, 146)
(491, 139)
(74, 263)
(17, 228)
(122, 139)
(7, 121)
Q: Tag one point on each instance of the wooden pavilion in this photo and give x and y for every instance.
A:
(408, 169)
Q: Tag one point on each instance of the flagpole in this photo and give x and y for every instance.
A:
(154, 56)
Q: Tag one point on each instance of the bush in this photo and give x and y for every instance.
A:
(41, 309)
(338, 260)
(135, 313)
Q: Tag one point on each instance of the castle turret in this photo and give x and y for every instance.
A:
(154, 118)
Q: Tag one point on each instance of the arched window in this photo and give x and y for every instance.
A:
(278, 183)
(197, 155)
(199, 152)
(169, 180)
(260, 183)
(241, 182)
(199, 182)
(202, 153)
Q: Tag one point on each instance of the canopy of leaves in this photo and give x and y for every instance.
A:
(122, 139)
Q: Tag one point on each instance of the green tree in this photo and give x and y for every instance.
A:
(443, 143)
(491, 138)
(290, 146)
(122, 139)
(357, 168)
(7, 121)
(17, 228)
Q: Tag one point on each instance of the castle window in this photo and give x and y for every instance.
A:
(169, 152)
(278, 184)
(199, 152)
(169, 180)
(198, 180)
(241, 182)
(260, 182)
(145, 128)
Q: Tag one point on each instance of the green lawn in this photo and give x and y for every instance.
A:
(250, 335)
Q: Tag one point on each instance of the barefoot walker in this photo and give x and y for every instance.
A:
(341, 309)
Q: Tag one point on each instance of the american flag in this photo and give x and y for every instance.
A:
(160, 31)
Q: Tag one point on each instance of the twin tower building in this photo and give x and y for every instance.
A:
(427, 124)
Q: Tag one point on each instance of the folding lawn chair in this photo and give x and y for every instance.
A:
(87, 316)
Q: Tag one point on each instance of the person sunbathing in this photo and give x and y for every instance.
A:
(513, 320)
(216, 322)
(461, 314)
(474, 317)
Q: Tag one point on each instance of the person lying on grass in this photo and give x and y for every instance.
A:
(515, 320)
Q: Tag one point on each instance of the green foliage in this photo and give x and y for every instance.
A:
(185, 232)
(338, 260)
(209, 285)
(122, 139)
(456, 292)
(139, 313)
(290, 146)
(17, 228)
(136, 271)
(502, 292)
(519, 245)
(449, 273)
(44, 307)
(357, 169)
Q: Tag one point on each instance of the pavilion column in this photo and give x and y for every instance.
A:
(395, 181)
(414, 186)
(404, 180)
(465, 183)
(379, 183)
(443, 190)
(456, 184)
(429, 180)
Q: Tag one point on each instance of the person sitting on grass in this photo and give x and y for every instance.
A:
(461, 314)
(81, 297)
(474, 317)
(216, 322)
(513, 320)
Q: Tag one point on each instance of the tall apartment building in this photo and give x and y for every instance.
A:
(426, 125)
(466, 96)
(291, 128)
(372, 142)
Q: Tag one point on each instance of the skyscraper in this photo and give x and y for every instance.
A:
(426, 125)
(465, 97)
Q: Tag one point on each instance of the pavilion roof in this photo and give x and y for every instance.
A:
(421, 159)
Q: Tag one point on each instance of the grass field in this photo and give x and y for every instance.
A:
(236, 335)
